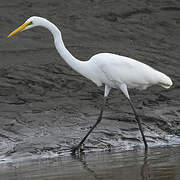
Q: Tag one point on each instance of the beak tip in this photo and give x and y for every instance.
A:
(9, 35)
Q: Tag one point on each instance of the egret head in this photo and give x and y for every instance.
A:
(29, 23)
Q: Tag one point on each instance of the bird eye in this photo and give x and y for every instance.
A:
(30, 23)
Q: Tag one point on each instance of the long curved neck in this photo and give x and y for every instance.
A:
(76, 64)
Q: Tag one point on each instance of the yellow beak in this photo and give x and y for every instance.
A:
(19, 29)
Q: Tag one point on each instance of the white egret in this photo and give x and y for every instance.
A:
(110, 70)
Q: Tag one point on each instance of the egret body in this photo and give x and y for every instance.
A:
(110, 70)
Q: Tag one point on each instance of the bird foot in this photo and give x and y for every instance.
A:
(77, 148)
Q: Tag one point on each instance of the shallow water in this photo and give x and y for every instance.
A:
(159, 163)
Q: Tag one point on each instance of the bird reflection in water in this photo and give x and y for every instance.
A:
(156, 168)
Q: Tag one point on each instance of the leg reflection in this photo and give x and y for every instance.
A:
(82, 159)
(145, 171)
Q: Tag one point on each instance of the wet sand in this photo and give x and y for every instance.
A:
(46, 107)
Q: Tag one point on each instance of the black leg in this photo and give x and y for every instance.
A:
(139, 124)
(74, 149)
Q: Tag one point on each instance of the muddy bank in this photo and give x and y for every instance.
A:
(47, 107)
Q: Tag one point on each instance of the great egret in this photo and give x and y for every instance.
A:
(110, 70)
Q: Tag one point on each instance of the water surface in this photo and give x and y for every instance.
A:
(159, 163)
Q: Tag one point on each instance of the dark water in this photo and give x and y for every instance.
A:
(159, 163)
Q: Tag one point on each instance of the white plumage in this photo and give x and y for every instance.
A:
(115, 70)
